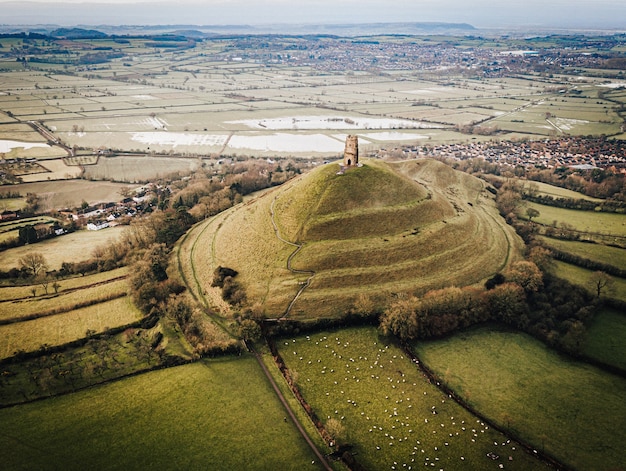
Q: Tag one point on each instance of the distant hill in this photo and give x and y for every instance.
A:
(77, 33)
(377, 230)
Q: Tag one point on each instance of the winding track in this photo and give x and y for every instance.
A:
(311, 273)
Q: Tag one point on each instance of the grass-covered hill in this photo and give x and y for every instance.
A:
(376, 230)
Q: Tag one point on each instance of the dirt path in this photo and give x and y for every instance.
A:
(311, 273)
(290, 411)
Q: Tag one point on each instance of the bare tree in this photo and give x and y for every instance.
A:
(601, 283)
(35, 263)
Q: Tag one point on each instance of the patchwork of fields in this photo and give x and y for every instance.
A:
(163, 112)
(95, 304)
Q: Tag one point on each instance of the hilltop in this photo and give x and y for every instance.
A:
(377, 230)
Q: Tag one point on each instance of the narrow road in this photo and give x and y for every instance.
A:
(290, 411)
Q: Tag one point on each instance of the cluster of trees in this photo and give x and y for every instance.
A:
(597, 183)
(610, 206)
(232, 291)
(206, 195)
(522, 297)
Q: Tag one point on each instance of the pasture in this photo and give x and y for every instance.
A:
(66, 327)
(139, 169)
(387, 409)
(73, 247)
(598, 253)
(582, 277)
(583, 221)
(10, 293)
(605, 338)
(556, 191)
(62, 301)
(571, 410)
(219, 414)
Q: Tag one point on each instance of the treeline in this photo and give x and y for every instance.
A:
(597, 183)
(551, 309)
(586, 263)
(608, 206)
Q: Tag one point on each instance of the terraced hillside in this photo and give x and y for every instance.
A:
(376, 230)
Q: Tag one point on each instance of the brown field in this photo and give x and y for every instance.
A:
(73, 247)
(68, 194)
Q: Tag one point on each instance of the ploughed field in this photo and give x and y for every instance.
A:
(372, 231)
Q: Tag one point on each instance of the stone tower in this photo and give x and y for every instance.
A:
(351, 153)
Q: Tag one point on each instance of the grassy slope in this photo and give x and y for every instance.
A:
(376, 229)
(572, 410)
(219, 415)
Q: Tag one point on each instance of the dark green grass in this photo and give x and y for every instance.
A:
(572, 410)
(605, 338)
(390, 412)
(213, 415)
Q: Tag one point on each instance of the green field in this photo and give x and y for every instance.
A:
(62, 301)
(8, 293)
(595, 252)
(583, 277)
(584, 221)
(389, 411)
(605, 338)
(557, 191)
(68, 193)
(66, 327)
(571, 410)
(219, 415)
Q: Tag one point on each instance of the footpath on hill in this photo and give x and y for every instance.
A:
(311, 273)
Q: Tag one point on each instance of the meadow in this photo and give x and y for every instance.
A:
(59, 302)
(66, 327)
(73, 247)
(385, 407)
(584, 221)
(571, 410)
(556, 191)
(605, 338)
(218, 414)
(582, 277)
(17, 292)
(69, 193)
(598, 253)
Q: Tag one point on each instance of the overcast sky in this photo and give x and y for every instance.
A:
(610, 14)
